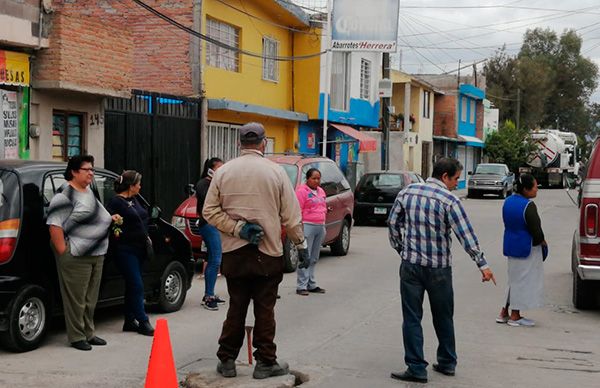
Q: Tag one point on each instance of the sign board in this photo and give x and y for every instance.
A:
(14, 68)
(9, 125)
(359, 25)
(385, 88)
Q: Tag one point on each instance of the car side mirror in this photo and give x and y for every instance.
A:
(189, 189)
(470, 173)
(155, 212)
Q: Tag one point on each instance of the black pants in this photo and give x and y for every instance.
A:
(250, 275)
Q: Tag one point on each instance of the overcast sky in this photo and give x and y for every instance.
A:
(435, 34)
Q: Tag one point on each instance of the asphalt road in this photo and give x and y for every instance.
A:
(351, 336)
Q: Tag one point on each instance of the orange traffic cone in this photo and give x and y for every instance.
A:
(161, 367)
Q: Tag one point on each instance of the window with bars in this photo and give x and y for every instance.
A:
(270, 66)
(426, 104)
(220, 57)
(67, 135)
(223, 140)
(340, 69)
(365, 79)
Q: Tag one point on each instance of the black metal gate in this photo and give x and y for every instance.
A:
(159, 136)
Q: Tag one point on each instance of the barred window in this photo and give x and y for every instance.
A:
(67, 135)
(426, 104)
(270, 66)
(340, 71)
(365, 79)
(218, 56)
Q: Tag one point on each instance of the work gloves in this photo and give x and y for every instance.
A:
(303, 259)
(253, 233)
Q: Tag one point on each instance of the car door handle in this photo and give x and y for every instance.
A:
(329, 209)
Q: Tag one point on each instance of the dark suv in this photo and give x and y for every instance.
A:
(29, 290)
(340, 200)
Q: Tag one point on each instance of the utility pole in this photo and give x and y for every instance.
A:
(518, 108)
(385, 116)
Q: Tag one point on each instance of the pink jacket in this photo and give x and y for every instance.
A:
(314, 208)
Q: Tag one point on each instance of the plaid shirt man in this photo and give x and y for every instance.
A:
(420, 225)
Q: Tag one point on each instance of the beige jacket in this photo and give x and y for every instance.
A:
(254, 189)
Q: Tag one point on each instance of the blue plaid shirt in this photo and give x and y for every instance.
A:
(421, 222)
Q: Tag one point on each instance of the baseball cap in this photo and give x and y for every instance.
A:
(252, 133)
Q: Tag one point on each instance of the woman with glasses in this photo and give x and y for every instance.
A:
(129, 244)
(79, 227)
(526, 249)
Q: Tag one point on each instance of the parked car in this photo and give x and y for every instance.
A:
(585, 252)
(339, 207)
(490, 178)
(29, 288)
(376, 192)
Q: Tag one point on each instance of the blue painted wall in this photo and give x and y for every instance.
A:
(361, 113)
(309, 135)
(342, 153)
(470, 94)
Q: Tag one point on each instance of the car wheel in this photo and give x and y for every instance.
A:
(173, 287)
(503, 193)
(341, 245)
(290, 256)
(27, 320)
(582, 293)
(470, 194)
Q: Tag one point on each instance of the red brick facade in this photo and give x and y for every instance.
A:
(444, 120)
(119, 45)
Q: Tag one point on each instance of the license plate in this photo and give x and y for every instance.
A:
(380, 210)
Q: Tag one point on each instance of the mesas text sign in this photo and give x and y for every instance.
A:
(359, 25)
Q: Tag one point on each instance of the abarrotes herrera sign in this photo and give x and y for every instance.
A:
(360, 25)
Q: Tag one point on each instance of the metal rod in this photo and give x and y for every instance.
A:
(249, 340)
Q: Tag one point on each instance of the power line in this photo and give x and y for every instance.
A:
(491, 7)
(243, 11)
(219, 43)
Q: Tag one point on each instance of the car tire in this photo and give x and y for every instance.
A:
(470, 194)
(28, 318)
(582, 293)
(173, 287)
(290, 256)
(503, 193)
(341, 245)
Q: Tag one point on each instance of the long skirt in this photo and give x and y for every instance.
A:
(526, 281)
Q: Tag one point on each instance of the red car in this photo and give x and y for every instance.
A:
(340, 204)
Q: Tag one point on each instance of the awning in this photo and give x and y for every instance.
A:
(366, 142)
(473, 141)
(446, 138)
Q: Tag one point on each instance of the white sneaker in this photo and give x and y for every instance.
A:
(521, 322)
(502, 319)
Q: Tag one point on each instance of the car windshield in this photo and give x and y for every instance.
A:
(10, 196)
(382, 181)
(292, 172)
(490, 169)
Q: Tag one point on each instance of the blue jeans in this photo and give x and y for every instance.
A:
(212, 239)
(129, 262)
(314, 234)
(414, 281)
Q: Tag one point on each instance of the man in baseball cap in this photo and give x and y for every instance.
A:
(252, 133)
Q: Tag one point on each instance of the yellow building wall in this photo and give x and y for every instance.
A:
(284, 132)
(307, 73)
(247, 85)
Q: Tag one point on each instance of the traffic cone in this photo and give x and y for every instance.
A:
(161, 367)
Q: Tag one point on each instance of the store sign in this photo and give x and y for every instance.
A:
(9, 124)
(359, 25)
(14, 68)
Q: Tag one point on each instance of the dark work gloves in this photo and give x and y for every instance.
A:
(253, 233)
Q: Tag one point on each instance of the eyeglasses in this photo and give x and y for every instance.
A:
(88, 169)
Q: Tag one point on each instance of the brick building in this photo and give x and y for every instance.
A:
(458, 120)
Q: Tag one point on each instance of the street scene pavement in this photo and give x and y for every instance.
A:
(351, 336)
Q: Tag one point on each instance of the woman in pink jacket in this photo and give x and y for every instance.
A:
(312, 201)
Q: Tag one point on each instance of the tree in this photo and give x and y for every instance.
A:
(510, 145)
(554, 81)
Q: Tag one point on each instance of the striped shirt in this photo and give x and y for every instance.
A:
(421, 222)
(83, 219)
